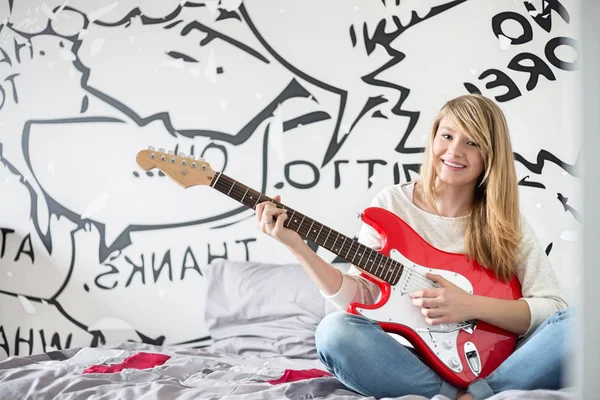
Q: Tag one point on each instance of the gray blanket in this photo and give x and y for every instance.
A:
(187, 374)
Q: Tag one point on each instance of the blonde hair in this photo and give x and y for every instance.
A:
(493, 233)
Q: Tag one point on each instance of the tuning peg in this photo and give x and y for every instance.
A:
(201, 159)
(171, 152)
(161, 150)
(181, 154)
(191, 157)
(150, 148)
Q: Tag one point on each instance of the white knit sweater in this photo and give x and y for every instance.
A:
(539, 285)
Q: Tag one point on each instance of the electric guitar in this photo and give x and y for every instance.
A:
(459, 352)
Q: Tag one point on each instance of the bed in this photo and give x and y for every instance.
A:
(261, 318)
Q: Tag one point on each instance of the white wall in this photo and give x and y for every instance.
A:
(297, 98)
(587, 361)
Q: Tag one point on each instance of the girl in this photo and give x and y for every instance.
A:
(465, 201)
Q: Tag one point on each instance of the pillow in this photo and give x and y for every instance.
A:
(263, 309)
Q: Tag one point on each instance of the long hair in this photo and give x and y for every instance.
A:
(493, 233)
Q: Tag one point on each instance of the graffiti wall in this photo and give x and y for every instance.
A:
(324, 103)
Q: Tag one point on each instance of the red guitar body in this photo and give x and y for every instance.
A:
(459, 353)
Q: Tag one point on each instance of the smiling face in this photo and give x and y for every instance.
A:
(456, 157)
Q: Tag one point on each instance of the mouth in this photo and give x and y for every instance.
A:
(453, 165)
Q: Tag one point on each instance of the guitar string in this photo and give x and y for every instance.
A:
(241, 193)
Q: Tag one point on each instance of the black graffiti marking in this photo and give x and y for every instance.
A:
(5, 57)
(380, 37)
(544, 18)
(55, 341)
(336, 166)
(177, 55)
(306, 119)
(211, 35)
(542, 157)
(407, 168)
(159, 341)
(471, 88)
(158, 266)
(539, 68)
(198, 340)
(550, 52)
(498, 19)
(352, 35)
(123, 240)
(84, 104)
(378, 114)
(501, 79)
(173, 24)
(293, 90)
(212, 256)
(548, 249)
(315, 174)
(525, 182)
(98, 337)
(136, 12)
(371, 164)
(18, 48)
(568, 208)
(224, 14)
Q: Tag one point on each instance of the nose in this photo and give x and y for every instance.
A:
(456, 148)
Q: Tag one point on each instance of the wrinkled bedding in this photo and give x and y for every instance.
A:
(186, 374)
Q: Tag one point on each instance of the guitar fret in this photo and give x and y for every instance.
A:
(361, 257)
(327, 237)
(231, 187)
(300, 224)
(395, 276)
(348, 254)
(245, 193)
(290, 220)
(385, 264)
(257, 200)
(218, 175)
(320, 233)
(386, 274)
(309, 228)
(378, 266)
(335, 241)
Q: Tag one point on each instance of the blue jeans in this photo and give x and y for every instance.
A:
(369, 361)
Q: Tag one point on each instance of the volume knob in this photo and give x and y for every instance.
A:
(447, 344)
(454, 362)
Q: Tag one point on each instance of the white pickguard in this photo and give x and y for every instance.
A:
(441, 339)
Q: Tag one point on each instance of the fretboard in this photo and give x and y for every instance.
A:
(349, 249)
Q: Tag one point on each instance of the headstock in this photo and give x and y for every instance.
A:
(184, 170)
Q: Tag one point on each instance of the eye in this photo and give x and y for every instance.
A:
(446, 136)
(472, 144)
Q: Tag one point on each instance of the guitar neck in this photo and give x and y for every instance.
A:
(349, 249)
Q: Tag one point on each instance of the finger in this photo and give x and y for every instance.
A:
(277, 198)
(435, 321)
(425, 302)
(259, 211)
(279, 223)
(262, 209)
(270, 213)
(426, 293)
(433, 313)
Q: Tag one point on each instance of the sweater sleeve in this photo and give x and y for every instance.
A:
(539, 285)
(355, 288)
